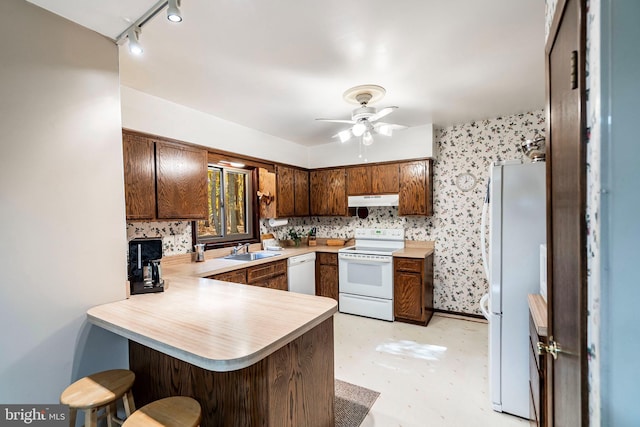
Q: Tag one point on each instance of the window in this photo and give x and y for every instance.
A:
(230, 207)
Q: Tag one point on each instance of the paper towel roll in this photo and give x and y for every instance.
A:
(278, 222)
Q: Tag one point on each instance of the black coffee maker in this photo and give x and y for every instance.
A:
(145, 273)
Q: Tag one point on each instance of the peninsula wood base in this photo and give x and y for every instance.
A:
(294, 386)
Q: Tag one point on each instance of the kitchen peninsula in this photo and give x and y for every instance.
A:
(250, 355)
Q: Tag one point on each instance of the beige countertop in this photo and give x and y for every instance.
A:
(218, 326)
(222, 326)
(538, 309)
(214, 266)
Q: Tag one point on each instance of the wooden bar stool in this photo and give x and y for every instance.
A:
(176, 411)
(99, 391)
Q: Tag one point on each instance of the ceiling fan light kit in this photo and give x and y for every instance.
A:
(363, 117)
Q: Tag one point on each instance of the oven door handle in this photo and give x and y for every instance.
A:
(365, 260)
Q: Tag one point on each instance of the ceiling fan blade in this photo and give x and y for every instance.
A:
(351, 122)
(380, 114)
(387, 128)
(344, 135)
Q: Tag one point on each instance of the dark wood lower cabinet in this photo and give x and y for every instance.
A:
(327, 275)
(413, 289)
(292, 387)
(271, 275)
(537, 378)
(235, 276)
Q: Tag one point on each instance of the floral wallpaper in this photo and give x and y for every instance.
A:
(459, 280)
(176, 235)
(593, 207)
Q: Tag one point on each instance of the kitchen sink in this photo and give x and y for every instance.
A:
(252, 256)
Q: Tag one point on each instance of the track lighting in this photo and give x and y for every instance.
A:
(134, 40)
(173, 11)
(132, 34)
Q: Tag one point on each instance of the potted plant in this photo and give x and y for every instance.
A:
(295, 236)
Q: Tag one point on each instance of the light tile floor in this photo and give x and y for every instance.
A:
(427, 377)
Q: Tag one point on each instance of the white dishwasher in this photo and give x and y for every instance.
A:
(302, 273)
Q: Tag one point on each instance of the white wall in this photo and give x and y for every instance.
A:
(147, 113)
(62, 215)
(415, 142)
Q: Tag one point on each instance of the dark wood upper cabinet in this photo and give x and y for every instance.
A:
(289, 188)
(359, 181)
(181, 181)
(329, 192)
(139, 177)
(301, 192)
(416, 188)
(285, 194)
(385, 179)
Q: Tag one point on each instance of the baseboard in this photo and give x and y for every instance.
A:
(461, 316)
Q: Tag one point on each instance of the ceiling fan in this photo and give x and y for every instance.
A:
(364, 119)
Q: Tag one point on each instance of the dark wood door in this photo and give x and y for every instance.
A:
(301, 193)
(285, 192)
(385, 179)
(358, 181)
(181, 176)
(139, 176)
(566, 228)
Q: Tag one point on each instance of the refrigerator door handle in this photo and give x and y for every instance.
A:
(484, 306)
(483, 238)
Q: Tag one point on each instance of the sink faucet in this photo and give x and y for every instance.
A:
(237, 249)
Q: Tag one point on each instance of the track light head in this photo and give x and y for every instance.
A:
(134, 41)
(173, 11)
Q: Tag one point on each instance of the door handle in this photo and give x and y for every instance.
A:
(553, 348)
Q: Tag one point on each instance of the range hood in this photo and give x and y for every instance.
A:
(373, 200)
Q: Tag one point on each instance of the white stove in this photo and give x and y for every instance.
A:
(366, 273)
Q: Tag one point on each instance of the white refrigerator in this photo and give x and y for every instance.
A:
(515, 213)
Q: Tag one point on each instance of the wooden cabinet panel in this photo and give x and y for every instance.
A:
(385, 179)
(278, 282)
(327, 275)
(181, 181)
(537, 377)
(235, 276)
(416, 191)
(285, 191)
(301, 191)
(359, 181)
(413, 289)
(139, 176)
(267, 186)
(408, 295)
(412, 265)
(327, 258)
(328, 192)
(272, 275)
(289, 188)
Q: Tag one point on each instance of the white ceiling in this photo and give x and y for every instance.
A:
(277, 65)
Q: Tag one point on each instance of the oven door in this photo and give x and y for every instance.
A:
(366, 275)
